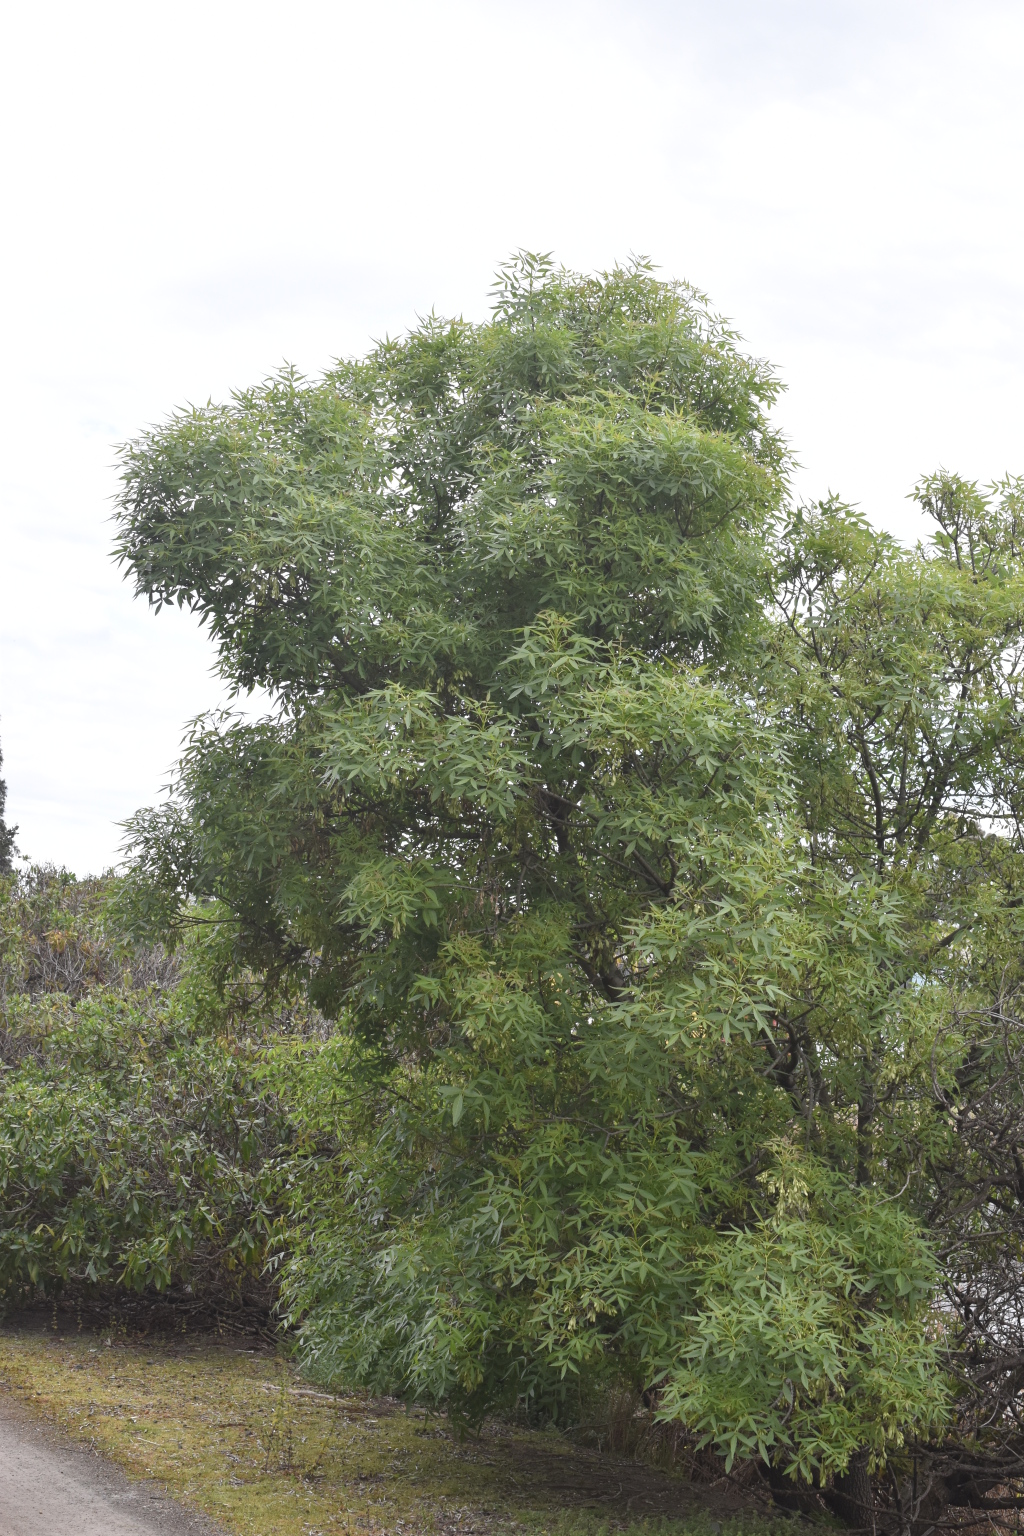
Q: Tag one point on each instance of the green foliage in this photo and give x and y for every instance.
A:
(137, 1147)
(651, 843)
(810, 1329)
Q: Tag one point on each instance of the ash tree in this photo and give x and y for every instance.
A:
(654, 846)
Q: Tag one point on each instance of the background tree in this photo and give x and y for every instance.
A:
(7, 834)
(900, 682)
(645, 840)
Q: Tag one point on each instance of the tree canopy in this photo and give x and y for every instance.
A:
(654, 844)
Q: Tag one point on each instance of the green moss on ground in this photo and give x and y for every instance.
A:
(235, 1432)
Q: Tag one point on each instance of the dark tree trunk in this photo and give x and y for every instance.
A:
(850, 1497)
(792, 1494)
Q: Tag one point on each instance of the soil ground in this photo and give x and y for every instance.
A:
(223, 1429)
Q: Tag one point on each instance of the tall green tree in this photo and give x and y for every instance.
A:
(644, 838)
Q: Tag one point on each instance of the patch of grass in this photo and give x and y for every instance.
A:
(236, 1433)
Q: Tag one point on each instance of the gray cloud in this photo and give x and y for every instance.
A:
(194, 195)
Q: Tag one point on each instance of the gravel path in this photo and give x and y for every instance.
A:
(52, 1487)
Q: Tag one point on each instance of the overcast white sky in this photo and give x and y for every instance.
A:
(193, 192)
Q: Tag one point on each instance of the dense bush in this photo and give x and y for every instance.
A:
(138, 1147)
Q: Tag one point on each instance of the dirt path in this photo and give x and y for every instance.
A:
(52, 1487)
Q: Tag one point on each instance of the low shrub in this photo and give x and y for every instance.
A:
(139, 1148)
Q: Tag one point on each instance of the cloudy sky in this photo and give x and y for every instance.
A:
(194, 192)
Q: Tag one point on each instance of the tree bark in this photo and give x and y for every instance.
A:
(850, 1497)
(791, 1494)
